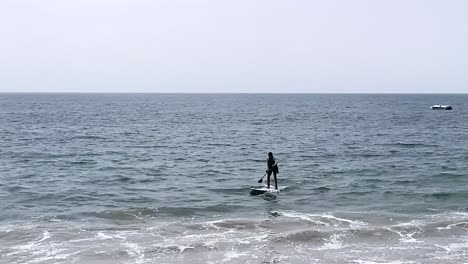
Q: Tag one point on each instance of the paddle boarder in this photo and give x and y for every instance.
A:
(272, 168)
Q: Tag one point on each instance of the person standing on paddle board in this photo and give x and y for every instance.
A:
(272, 168)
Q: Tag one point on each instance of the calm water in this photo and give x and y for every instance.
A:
(91, 178)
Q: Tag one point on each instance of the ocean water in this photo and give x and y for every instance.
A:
(165, 178)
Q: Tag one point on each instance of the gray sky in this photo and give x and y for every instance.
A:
(234, 46)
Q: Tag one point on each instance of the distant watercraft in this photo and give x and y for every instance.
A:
(441, 107)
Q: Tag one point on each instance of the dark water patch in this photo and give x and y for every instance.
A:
(200, 211)
(87, 137)
(214, 172)
(337, 171)
(322, 189)
(179, 211)
(236, 224)
(307, 156)
(133, 199)
(358, 193)
(146, 146)
(118, 161)
(222, 208)
(126, 133)
(411, 145)
(310, 236)
(15, 188)
(368, 155)
(24, 161)
(448, 195)
(450, 175)
(125, 179)
(24, 139)
(117, 167)
(124, 214)
(155, 170)
(401, 192)
(229, 190)
(254, 160)
(374, 181)
(37, 199)
(83, 162)
(160, 146)
(270, 197)
(150, 180)
(220, 180)
(404, 182)
(114, 152)
(78, 198)
(87, 154)
(101, 194)
(46, 161)
(356, 172)
(381, 134)
(250, 170)
(56, 218)
(144, 159)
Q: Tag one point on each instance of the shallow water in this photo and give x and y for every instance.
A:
(133, 178)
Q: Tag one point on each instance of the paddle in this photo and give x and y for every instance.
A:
(261, 179)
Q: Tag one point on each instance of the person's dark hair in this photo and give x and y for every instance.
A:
(270, 154)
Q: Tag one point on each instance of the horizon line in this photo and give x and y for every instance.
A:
(233, 93)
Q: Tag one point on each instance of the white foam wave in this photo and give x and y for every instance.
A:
(450, 226)
(384, 262)
(45, 236)
(352, 223)
(334, 242)
(233, 254)
(452, 250)
(304, 217)
(406, 237)
(135, 251)
(324, 219)
(102, 236)
(236, 240)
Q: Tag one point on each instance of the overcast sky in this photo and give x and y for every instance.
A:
(234, 46)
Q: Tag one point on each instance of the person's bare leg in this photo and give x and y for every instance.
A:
(268, 180)
(276, 180)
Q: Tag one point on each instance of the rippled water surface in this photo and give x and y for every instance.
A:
(161, 178)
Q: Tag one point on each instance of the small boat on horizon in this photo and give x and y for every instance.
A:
(441, 107)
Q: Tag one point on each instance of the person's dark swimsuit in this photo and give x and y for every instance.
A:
(272, 168)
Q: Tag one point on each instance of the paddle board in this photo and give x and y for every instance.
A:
(264, 189)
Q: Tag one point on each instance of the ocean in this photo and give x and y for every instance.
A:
(165, 178)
